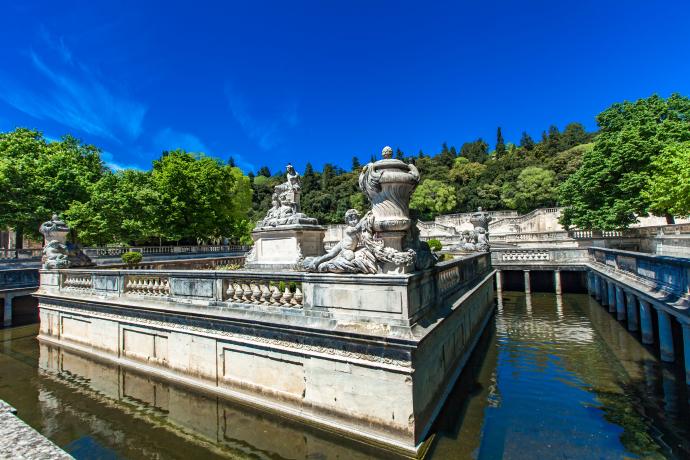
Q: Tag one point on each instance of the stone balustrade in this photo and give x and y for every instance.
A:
(384, 297)
(538, 258)
(8, 255)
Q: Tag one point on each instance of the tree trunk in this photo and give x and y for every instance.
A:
(19, 238)
(670, 220)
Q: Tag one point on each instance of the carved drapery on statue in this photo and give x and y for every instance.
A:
(57, 252)
(285, 209)
(383, 241)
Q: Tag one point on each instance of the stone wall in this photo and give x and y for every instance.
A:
(353, 354)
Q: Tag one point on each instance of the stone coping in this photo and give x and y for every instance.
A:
(19, 440)
(683, 261)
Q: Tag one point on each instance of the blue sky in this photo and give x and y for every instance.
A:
(272, 82)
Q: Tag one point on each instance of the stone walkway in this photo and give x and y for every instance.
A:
(19, 441)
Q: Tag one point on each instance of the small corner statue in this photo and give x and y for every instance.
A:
(57, 252)
(385, 240)
(476, 240)
(286, 204)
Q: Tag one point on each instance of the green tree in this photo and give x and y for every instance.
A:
(500, 143)
(465, 171)
(356, 165)
(668, 192)
(199, 198)
(526, 141)
(432, 198)
(606, 191)
(535, 187)
(477, 151)
(39, 178)
(573, 134)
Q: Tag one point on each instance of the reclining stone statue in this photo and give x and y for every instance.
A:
(384, 240)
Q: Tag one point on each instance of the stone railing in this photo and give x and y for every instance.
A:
(20, 254)
(661, 273)
(97, 252)
(399, 299)
(9, 255)
(20, 278)
(531, 236)
(547, 258)
(183, 264)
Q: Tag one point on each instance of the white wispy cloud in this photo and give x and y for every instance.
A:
(110, 162)
(170, 139)
(267, 133)
(71, 94)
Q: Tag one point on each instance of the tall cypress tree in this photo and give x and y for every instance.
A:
(500, 143)
(526, 141)
(356, 165)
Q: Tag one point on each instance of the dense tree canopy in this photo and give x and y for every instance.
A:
(185, 197)
(606, 192)
(38, 178)
(669, 187)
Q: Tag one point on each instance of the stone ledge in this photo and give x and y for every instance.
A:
(19, 440)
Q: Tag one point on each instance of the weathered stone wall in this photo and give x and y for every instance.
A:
(361, 354)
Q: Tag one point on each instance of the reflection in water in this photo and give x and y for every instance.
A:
(552, 377)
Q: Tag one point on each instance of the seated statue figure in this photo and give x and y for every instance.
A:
(344, 257)
(482, 239)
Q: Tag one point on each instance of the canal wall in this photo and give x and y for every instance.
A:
(19, 440)
(373, 356)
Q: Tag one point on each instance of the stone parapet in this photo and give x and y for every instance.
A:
(370, 355)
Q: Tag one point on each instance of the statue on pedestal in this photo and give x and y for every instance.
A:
(384, 240)
(57, 252)
(476, 240)
(286, 204)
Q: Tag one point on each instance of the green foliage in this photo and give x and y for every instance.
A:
(39, 178)
(185, 197)
(535, 187)
(432, 198)
(606, 192)
(435, 245)
(228, 267)
(668, 191)
(132, 258)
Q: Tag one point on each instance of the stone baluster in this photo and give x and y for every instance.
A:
(287, 297)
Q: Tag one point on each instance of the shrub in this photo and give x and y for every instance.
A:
(435, 245)
(228, 266)
(132, 258)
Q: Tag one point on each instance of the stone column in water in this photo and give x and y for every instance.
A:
(665, 335)
(611, 296)
(7, 310)
(632, 311)
(528, 287)
(686, 351)
(597, 287)
(499, 281)
(646, 322)
(557, 281)
(620, 304)
(604, 292)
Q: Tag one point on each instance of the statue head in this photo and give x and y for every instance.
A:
(479, 209)
(480, 230)
(290, 169)
(351, 217)
(387, 153)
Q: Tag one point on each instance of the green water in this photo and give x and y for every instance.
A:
(551, 378)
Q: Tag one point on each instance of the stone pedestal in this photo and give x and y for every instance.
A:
(284, 247)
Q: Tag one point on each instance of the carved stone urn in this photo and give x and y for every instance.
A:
(389, 183)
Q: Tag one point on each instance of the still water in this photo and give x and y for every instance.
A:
(551, 378)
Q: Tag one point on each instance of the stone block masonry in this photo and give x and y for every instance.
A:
(371, 356)
(19, 440)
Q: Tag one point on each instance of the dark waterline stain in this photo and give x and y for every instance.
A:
(550, 378)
